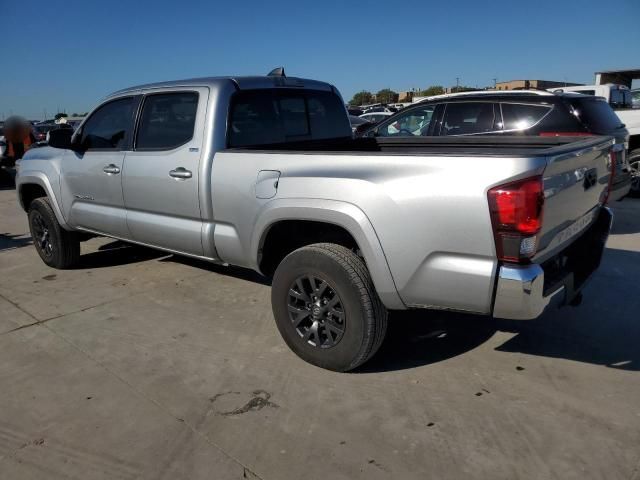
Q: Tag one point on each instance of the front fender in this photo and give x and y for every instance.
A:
(345, 215)
(34, 177)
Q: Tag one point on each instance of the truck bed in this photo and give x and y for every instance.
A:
(470, 145)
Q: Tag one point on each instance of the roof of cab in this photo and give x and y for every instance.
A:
(242, 83)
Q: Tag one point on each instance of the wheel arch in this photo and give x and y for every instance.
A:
(31, 185)
(342, 219)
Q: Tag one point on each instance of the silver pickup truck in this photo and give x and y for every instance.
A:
(262, 172)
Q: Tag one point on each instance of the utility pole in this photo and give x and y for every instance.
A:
(495, 83)
(457, 84)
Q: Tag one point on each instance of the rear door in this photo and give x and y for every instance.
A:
(91, 181)
(161, 174)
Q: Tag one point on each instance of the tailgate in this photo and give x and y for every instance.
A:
(575, 184)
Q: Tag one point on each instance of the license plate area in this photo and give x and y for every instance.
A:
(573, 266)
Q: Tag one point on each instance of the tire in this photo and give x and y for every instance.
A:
(634, 162)
(56, 246)
(350, 320)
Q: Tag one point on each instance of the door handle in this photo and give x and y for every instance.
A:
(111, 169)
(181, 173)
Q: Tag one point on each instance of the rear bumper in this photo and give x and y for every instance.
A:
(523, 292)
(620, 187)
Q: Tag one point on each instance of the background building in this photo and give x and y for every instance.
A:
(535, 84)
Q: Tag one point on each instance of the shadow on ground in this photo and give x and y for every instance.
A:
(422, 337)
(117, 253)
(237, 272)
(625, 216)
(9, 241)
(604, 330)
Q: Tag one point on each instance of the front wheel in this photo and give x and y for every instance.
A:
(326, 307)
(57, 247)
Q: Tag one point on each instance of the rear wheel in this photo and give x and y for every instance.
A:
(326, 307)
(57, 247)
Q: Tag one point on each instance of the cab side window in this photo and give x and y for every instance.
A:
(109, 127)
(167, 120)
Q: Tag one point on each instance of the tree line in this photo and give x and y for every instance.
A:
(386, 95)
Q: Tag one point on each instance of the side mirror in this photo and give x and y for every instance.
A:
(60, 138)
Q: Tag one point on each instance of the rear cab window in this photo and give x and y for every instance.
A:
(274, 116)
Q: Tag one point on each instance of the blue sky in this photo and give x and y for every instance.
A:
(70, 54)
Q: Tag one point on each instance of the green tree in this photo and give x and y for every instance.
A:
(431, 91)
(60, 115)
(361, 98)
(386, 95)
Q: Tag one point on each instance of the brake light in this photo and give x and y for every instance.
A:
(516, 216)
(565, 134)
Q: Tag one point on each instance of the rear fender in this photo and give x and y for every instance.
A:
(342, 214)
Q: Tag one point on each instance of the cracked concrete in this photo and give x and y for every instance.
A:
(139, 365)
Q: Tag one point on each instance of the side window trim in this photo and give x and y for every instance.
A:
(138, 120)
(126, 146)
(436, 118)
(440, 124)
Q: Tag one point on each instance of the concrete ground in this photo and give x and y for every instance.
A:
(143, 365)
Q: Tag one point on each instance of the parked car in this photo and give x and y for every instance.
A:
(375, 117)
(621, 100)
(635, 98)
(347, 228)
(41, 131)
(358, 123)
(381, 109)
(531, 112)
(356, 112)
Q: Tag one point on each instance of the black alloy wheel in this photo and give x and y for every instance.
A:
(316, 311)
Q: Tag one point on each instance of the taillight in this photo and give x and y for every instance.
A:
(565, 134)
(516, 216)
(613, 159)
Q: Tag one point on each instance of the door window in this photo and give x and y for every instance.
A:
(167, 121)
(466, 118)
(414, 122)
(109, 127)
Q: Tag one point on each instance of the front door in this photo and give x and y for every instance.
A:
(160, 180)
(91, 181)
